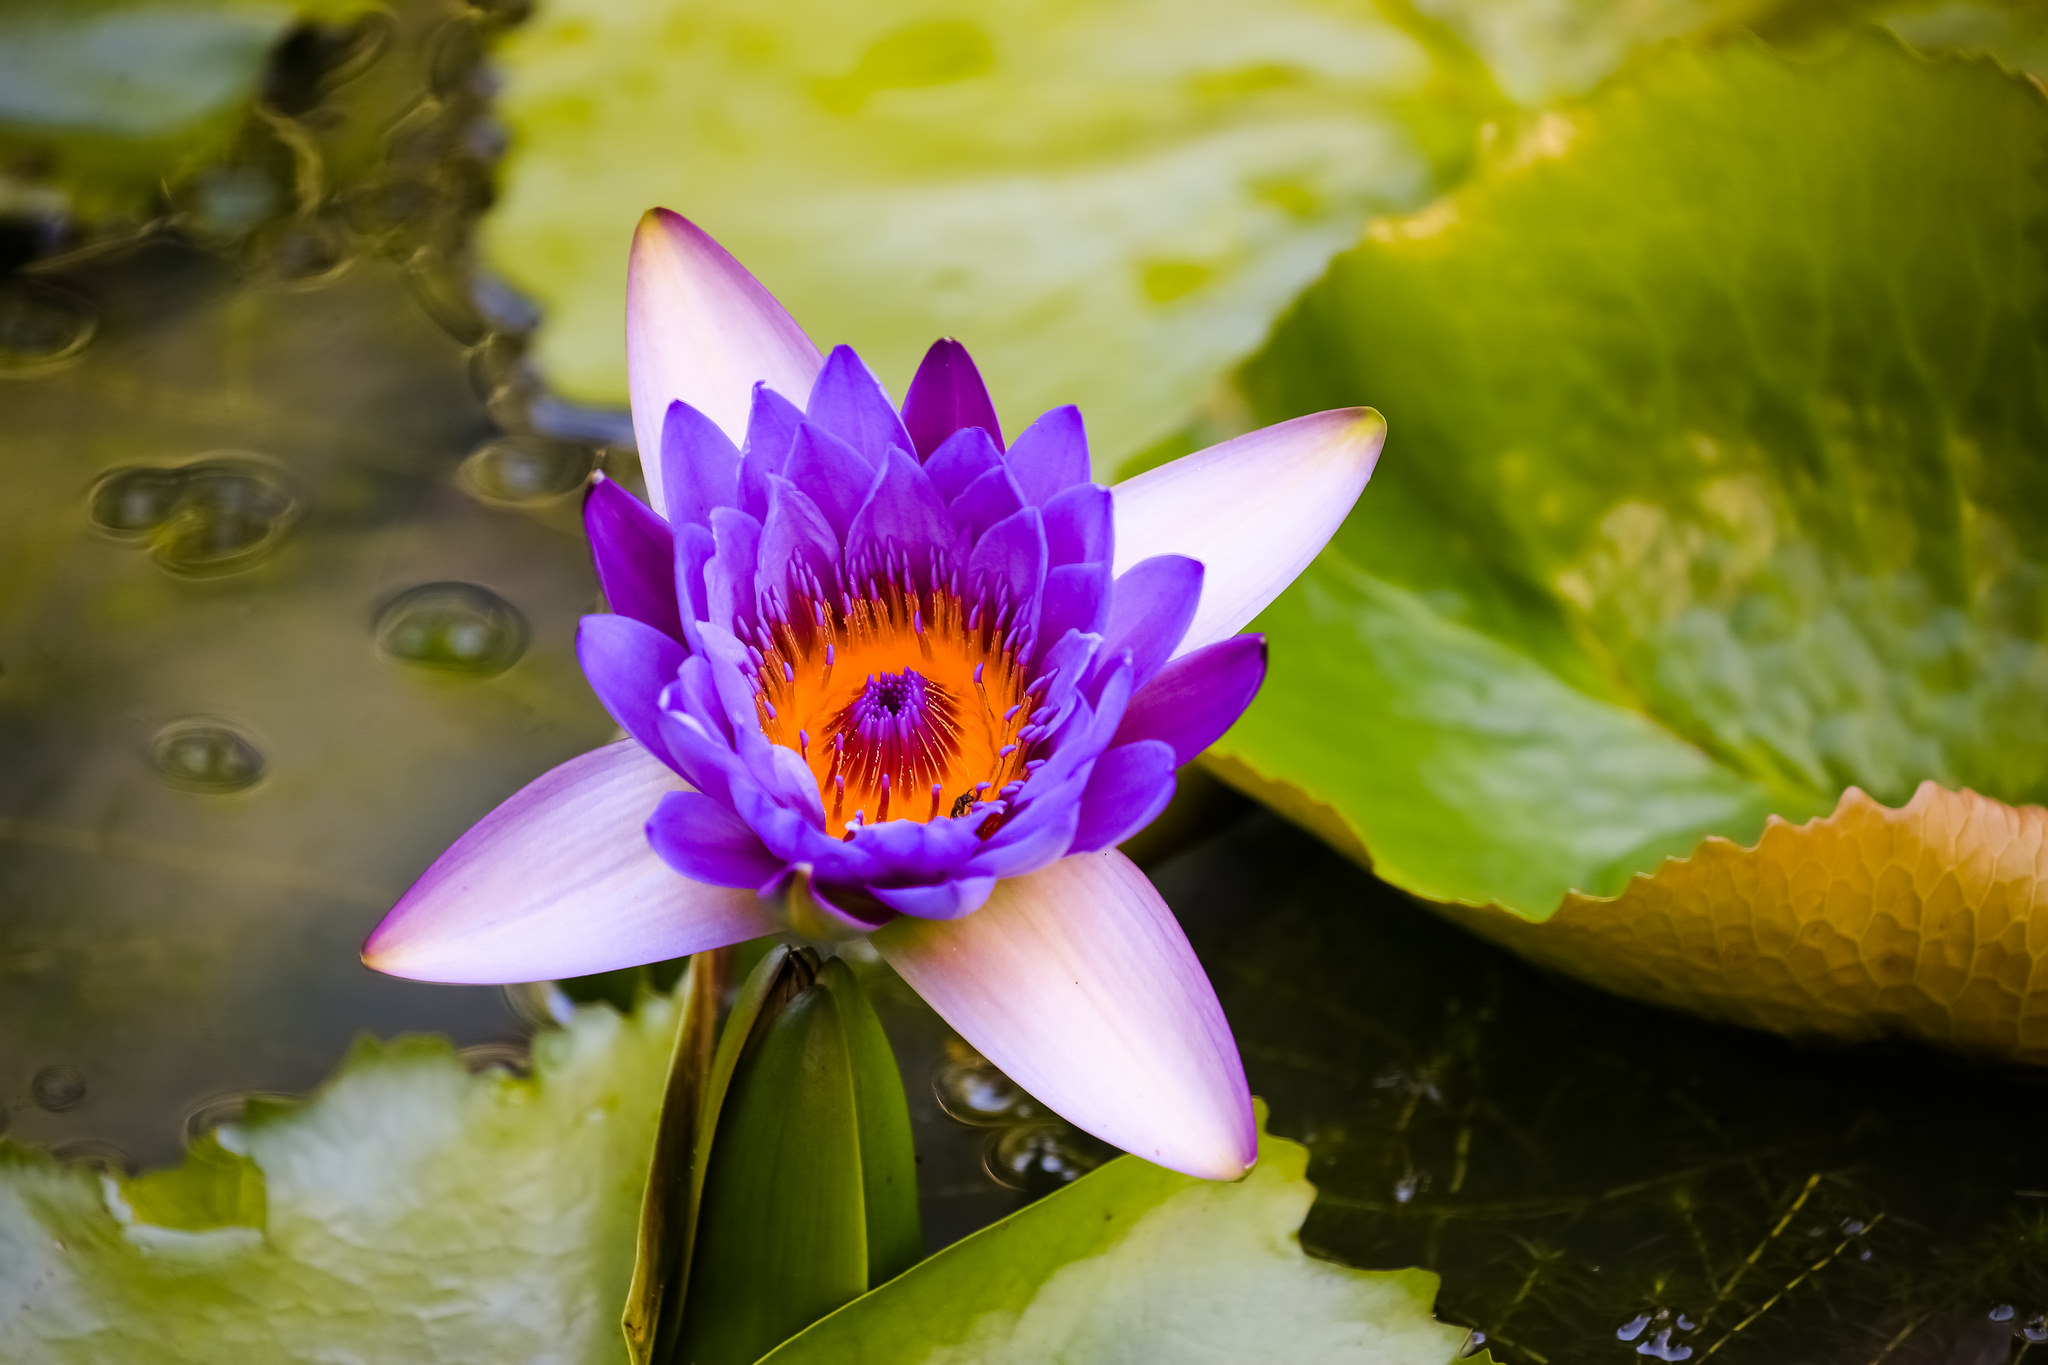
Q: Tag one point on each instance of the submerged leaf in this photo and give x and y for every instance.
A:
(1717, 483)
(1133, 1262)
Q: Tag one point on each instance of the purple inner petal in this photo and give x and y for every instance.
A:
(705, 842)
(1080, 525)
(1150, 606)
(831, 474)
(1126, 791)
(633, 548)
(965, 457)
(1051, 456)
(1192, 701)
(848, 401)
(946, 396)
(903, 521)
(699, 465)
(986, 501)
(628, 664)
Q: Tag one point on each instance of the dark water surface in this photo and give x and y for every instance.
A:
(288, 583)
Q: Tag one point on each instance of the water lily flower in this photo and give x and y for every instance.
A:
(885, 674)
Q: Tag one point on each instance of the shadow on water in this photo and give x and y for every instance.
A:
(288, 581)
(1596, 1179)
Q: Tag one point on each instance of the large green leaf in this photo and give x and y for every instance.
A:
(411, 1212)
(1717, 482)
(1108, 203)
(1136, 1263)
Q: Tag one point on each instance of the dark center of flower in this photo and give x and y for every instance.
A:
(907, 702)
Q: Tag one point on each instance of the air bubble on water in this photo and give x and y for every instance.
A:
(41, 327)
(452, 628)
(526, 470)
(2036, 1329)
(1041, 1149)
(2002, 1313)
(135, 499)
(1633, 1328)
(205, 755)
(233, 509)
(1660, 1348)
(57, 1088)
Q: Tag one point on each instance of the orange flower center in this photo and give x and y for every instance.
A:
(905, 703)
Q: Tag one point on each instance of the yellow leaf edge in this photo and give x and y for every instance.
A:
(1926, 921)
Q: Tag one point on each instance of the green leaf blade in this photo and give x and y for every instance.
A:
(888, 1161)
(1133, 1262)
(1719, 400)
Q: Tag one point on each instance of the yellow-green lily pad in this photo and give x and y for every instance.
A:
(1717, 485)
(1108, 204)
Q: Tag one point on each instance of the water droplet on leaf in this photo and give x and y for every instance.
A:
(453, 628)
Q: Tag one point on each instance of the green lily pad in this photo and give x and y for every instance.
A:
(1717, 481)
(112, 99)
(1108, 204)
(411, 1212)
(1136, 1263)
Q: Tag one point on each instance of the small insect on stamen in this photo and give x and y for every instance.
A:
(962, 803)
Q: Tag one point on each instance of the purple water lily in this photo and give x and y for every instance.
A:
(884, 675)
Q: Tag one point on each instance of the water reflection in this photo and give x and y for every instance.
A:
(1605, 1172)
(1026, 1146)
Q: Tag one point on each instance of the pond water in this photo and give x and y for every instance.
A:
(289, 569)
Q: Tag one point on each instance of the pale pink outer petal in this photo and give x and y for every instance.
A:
(559, 881)
(699, 328)
(1254, 510)
(1079, 985)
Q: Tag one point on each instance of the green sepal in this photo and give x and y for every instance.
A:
(802, 1191)
(668, 1204)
